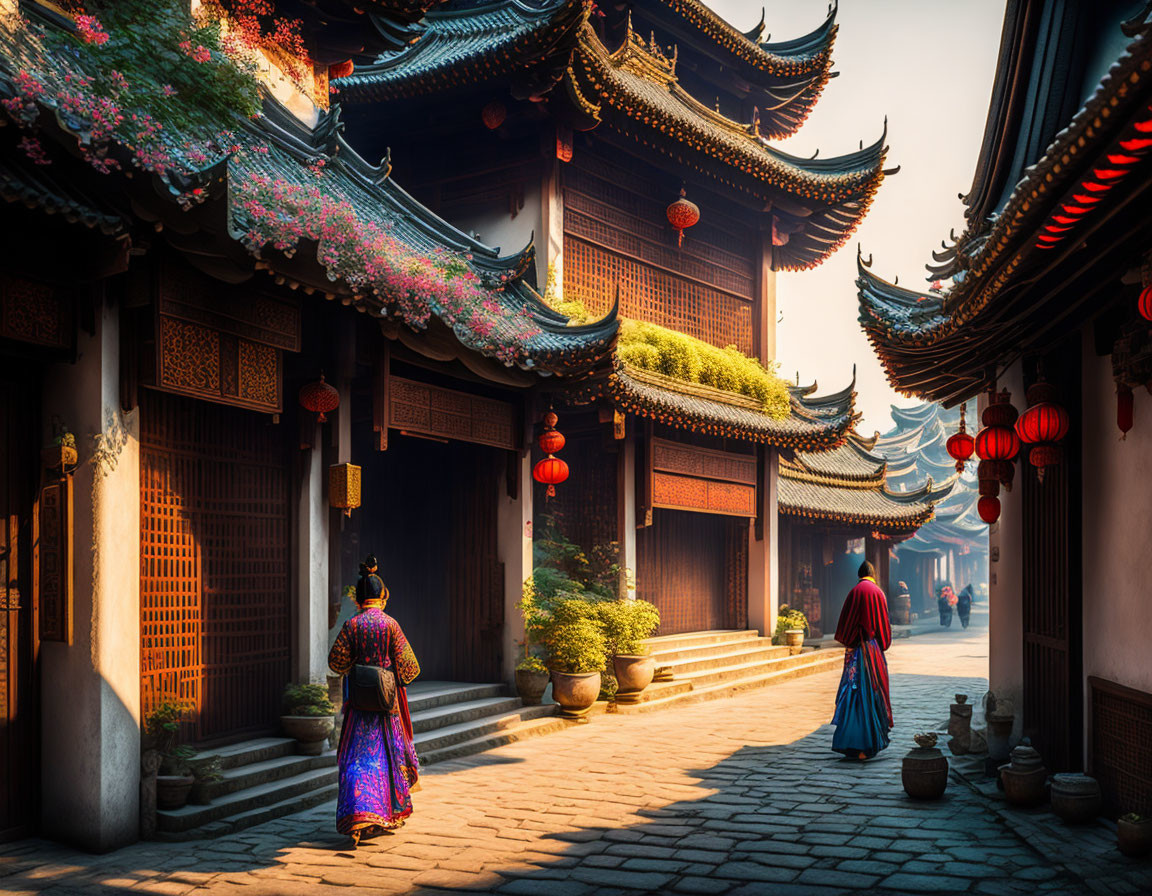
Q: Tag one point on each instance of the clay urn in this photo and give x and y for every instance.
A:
(1075, 798)
(1025, 778)
(794, 638)
(1134, 835)
(575, 692)
(634, 673)
(924, 771)
(530, 686)
(310, 732)
(172, 791)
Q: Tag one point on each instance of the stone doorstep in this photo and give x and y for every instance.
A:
(813, 665)
(712, 648)
(243, 820)
(250, 751)
(266, 771)
(511, 735)
(439, 738)
(430, 694)
(681, 667)
(457, 713)
(689, 640)
(718, 675)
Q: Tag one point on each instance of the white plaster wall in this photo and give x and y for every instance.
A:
(1005, 600)
(514, 536)
(764, 556)
(496, 227)
(312, 567)
(90, 689)
(1117, 536)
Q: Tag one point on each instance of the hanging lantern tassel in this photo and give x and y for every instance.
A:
(1124, 409)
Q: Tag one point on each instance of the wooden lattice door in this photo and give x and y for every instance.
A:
(18, 751)
(215, 551)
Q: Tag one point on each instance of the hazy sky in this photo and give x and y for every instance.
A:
(928, 66)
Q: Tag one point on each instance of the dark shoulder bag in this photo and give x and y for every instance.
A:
(372, 689)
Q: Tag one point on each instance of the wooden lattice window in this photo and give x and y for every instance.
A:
(616, 234)
(214, 563)
(1121, 757)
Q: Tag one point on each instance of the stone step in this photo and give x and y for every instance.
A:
(252, 817)
(441, 738)
(256, 773)
(516, 733)
(715, 648)
(761, 650)
(430, 694)
(719, 674)
(686, 640)
(656, 697)
(457, 713)
(259, 750)
(239, 802)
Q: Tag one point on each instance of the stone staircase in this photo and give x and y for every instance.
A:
(263, 779)
(713, 664)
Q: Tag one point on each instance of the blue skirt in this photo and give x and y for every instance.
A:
(861, 717)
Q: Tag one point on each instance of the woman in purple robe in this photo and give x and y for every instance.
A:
(377, 760)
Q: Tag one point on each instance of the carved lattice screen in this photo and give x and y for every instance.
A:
(214, 563)
(616, 232)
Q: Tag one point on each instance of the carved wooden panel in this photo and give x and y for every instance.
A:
(215, 540)
(675, 457)
(1121, 757)
(35, 312)
(53, 549)
(704, 495)
(446, 413)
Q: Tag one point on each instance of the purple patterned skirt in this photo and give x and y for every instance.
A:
(378, 766)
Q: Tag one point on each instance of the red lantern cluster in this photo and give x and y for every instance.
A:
(319, 398)
(683, 214)
(1124, 408)
(550, 471)
(996, 445)
(1043, 426)
(961, 445)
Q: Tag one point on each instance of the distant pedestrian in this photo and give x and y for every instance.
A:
(945, 602)
(376, 758)
(964, 604)
(863, 708)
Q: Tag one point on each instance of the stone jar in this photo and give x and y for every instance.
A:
(794, 638)
(1075, 798)
(1134, 838)
(960, 727)
(633, 674)
(530, 686)
(172, 791)
(310, 732)
(576, 692)
(1025, 779)
(902, 609)
(924, 773)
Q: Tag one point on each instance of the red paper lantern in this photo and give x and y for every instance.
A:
(998, 440)
(551, 471)
(683, 214)
(1044, 420)
(1124, 408)
(989, 508)
(319, 398)
(961, 445)
(551, 441)
(1145, 304)
(341, 69)
(493, 115)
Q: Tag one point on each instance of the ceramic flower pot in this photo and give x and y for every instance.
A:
(924, 773)
(530, 686)
(633, 674)
(172, 790)
(311, 732)
(576, 692)
(1134, 838)
(1075, 798)
(794, 638)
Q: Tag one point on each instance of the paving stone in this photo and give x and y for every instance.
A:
(703, 885)
(632, 880)
(833, 878)
(926, 883)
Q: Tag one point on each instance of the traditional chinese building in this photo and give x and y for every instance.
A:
(1049, 285)
(830, 499)
(953, 545)
(589, 131)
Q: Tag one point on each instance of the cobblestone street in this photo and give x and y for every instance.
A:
(732, 796)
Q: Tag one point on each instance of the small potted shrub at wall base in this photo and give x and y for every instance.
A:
(791, 627)
(308, 717)
(576, 651)
(173, 780)
(1134, 834)
(531, 680)
(626, 624)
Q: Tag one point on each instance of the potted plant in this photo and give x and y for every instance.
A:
(206, 771)
(173, 779)
(531, 673)
(791, 627)
(531, 680)
(574, 639)
(1134, 834)
(308, 717)
(626, 624)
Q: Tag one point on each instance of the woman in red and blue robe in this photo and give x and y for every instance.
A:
(376, 757)
(863, 715)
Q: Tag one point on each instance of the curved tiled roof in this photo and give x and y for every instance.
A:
(36, 187)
